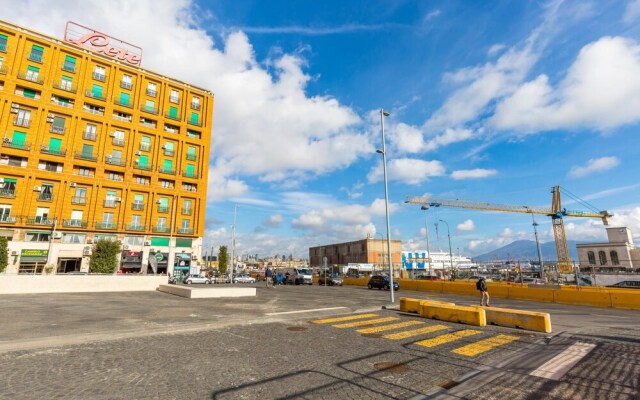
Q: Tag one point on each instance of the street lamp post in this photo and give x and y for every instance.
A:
(386, 200)
(449, 236)
(535, 233)
(233, 244)
(426, 228)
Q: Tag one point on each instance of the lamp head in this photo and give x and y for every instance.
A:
(379, 151)
(385, 113)
(424, 208)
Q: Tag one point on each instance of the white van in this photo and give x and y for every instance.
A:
(297, 275)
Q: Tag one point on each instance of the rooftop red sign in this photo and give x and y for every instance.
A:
(99, 42)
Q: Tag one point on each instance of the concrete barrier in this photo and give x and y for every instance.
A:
(452, 313)
(625, 298)
(529, 320)
(31, 284)
(411, 305)
(192, 292)
(583, 297)
(525, 293)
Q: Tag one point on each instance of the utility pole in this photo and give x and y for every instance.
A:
(426, 228)
(233, 243)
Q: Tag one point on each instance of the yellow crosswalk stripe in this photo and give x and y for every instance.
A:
(348, 318)
(474, 349)
(391, 327)
(415, 332)
(367, 322)
(449, 337)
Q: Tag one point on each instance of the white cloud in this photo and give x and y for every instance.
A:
(467, 226)
(408, 170)
(632, 12)
(600, 91)
(594, 165)
(273, 221)
(495, 49)
(473, 173)
(341, 217)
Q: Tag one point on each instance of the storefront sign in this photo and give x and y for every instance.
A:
(99, 42)
(34, 253)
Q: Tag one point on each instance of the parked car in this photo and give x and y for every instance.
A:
(243, 278)
(331, 280)
(626, 285)
(196, 279)
(382, 282)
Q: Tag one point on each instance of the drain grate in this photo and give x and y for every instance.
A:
(393, 367)
(448, 384)
(297, 328)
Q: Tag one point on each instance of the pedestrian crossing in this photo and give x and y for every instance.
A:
(396, 329)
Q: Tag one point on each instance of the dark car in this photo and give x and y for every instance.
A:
(382, 282)
(626, 285)
(330, 280)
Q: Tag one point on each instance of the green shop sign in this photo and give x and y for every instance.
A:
(34, 253)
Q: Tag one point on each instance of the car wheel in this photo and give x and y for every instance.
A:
(189, 282)
(330, 283)
(386, 287)
(370, 287)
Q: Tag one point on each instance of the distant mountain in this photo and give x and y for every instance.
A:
(522, 250)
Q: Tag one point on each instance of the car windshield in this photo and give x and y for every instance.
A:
(304, 271)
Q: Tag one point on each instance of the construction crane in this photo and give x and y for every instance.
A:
(556, 212)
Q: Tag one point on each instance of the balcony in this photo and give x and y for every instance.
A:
(171, 128)
(125, 85)
(186, 231)
(152, 93)
(147, 123)
(137, 206)
(163, 209)
(37, 57)
(39, 221)
(145, 146)
(195, 122)
(99, 77)
(81, 155)
(57, 129)
(174, 99)
(122, 117)
(7, 219)
(160, 229)
(191, 157)
(168, 152)
(3, 70)
(115, 177)
(63, 85)
(45, 197)
(118, 142)
(78, 200)
(57, 102)
(54, 151)
(174, 117)
(106, 225)
(31, 77)
(186, 211)
(109, 159)
(88, 135)
(149, 110)
(97, 96)
(189, 174)
(112, 203)
(195, 106)
(75, 223)
(93, 110)
(23, 122)
(8, 193)
(69, 67)
(15, 144)
(122, 103)
(145, 167)
(167, 171)
(135, 227)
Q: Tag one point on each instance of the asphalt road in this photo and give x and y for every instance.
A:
(279, 345)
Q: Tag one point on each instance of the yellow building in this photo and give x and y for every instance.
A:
(94, 147)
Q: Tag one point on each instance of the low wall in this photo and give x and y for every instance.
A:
(24, 284)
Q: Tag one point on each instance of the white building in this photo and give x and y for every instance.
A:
(618, 254)
(440, 260)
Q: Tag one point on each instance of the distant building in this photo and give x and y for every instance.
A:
(618, 254)
(365, 251)
(440, 260)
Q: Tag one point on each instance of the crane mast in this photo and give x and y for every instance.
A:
(556, 212)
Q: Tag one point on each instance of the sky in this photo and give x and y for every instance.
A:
(494, 101)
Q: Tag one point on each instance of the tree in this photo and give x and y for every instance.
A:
(4, 254)
(105, 256)
(222, 259)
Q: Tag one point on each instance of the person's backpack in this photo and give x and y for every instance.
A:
(478, 284)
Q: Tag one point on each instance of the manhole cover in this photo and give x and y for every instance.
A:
(372, 335)
(393, 367)
(448, 384)
(297, 328)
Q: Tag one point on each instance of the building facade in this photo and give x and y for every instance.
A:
(365, 251)
(617, 254)
(439, 262)
(97, 148)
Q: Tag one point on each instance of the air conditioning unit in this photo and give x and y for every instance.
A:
(15, 105)
(152, 251)
(87, 251)
(126, 247)
(72, 184)
(57, 235)
(45, 148)
(164, 146)
(118, 199)
(7, 140)
(112, 134)
(37, 188)
(50, 115)
(14, 253)
(89, 241)
(194, 257)
(147, 243)
(1, 180)
(138, 153)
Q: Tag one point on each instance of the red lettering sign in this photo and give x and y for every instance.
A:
(101, 43)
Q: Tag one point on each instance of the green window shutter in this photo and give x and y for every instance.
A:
(191, 170)
(160, 241)
(96, 90)
(87, 149)
(4, 37)
(58, 122)
(37, 48)
(19, 138)
(168, 165)
(181, 242)
(33, 69)
(173, 112)
(67, 78)
(29, 93)
(150, 105)
(55, 144)
(70, 60)
(124, 98)
(194, 117)
(191, 151)
(168, 146)
(164, 202)
(143, 161)
(138, 198)
(146, 139)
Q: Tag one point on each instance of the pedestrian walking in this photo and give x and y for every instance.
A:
(267, 276)
(481, 285)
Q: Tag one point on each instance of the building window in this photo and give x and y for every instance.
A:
(57, 126)
(195, 103)
(174, 97)
(614, 257)
(32, 73)
(141, 180)
(191, 153)
(145, 143)
(5, 212)
(3, 43)
(152, 89)
(66, 83)
(114, 176)
(82, 171)
(193, 135)
(133, 240)
(99, 73)
(168, 149)
(23, 118)
(80, 196)
(124, 99)
(173, 112)
(166, 184)
(194, 118)
(603, 257)
(37, 237)
(126, 82)
(8, 187)
(36, 53)
(73, 238)
(69, 64)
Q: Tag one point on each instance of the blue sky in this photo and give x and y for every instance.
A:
(490, 101)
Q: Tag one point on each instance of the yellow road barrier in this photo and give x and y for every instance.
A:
(529, 320)
(411, 305)
(452, 313)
